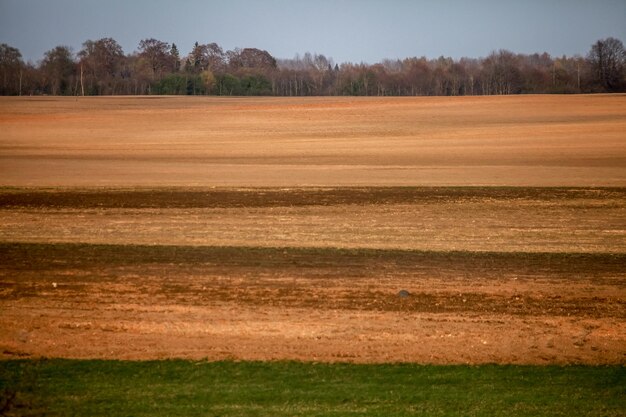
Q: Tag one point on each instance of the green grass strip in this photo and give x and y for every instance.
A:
(186, 388)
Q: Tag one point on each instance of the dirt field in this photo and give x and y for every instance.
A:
(227, 274)
(468, 219)
(140, 302)
(115, 243)
(182, 141)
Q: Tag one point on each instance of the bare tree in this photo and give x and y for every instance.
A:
(102, 61)
(607, 58)
(501, 73)
(251, 58)
(102, 68)
(206, 57)
(158, 56)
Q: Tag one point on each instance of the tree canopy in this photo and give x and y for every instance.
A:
(157, 67)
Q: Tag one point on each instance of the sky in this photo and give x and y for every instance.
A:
(346, 30)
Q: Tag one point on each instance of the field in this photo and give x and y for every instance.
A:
(188, 388)
(279, 142)
(354, 232)
(493, 275)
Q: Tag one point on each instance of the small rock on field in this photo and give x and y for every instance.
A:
(403, 294)
(22, 336)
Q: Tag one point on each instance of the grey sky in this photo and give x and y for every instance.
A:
(346, 30)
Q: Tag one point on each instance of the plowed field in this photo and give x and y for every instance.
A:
(429, 230)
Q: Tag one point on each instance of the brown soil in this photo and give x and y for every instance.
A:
(185, 141)
(535, 296)
(137, 248)
(327, 305)
(472, 219)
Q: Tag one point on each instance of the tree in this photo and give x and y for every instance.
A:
(607, 58)
(141, 76)
(58, 71)
(158, 56)
(155, 67)
(173, 84)
(255, 85)
(102, 62)
(30, 80)
(175, 57)
(501, 74)
(206, 57)
(208, 81)
(11, 67)
(228, 85)
(537, 73)
(418, 77)
(251, 58)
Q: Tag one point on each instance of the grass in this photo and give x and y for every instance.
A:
(185, 388)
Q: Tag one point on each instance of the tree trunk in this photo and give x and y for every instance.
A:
(82, 86)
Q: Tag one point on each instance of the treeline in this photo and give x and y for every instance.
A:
(102, 68)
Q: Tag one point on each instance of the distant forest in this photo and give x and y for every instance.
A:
(102, 68)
